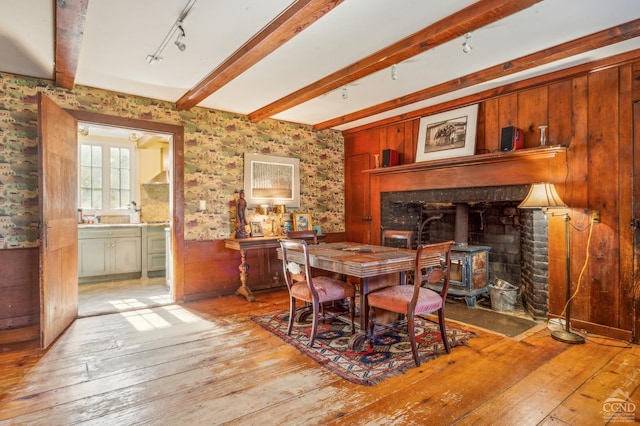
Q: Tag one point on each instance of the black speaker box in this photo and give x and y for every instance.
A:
(511, 139)
(390, 158)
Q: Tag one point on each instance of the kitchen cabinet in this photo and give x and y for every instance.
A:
(155, 251)
(109, 250)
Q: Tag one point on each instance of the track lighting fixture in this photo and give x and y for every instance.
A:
(176, 28)
(466, 46)
(179, 42)
(345, 95)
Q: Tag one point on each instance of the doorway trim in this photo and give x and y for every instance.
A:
(177, 205)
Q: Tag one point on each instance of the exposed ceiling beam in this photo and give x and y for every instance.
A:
(283, 28)
(475, 16)
(565, 50)
(70, 17)
(564, 74)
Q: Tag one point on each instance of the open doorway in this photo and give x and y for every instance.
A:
(57, 178)
(124, 190)
(174, 158)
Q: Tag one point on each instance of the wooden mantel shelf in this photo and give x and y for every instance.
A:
(526, 166)
(528, 155)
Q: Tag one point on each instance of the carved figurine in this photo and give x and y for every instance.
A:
(241, 217)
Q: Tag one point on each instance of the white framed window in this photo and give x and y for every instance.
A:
(107, 176)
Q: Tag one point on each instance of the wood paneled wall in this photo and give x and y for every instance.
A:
(591, 114)
(19, 292)
(211, 270)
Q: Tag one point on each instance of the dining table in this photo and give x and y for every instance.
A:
(363, 261)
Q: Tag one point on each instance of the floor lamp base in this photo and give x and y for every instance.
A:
(567, 336)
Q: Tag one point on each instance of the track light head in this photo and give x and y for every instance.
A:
(181, 45)
(179, 42)
(466, 46)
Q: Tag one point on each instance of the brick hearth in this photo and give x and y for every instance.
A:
(518, 238)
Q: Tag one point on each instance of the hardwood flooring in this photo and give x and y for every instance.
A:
(207, 363)
(123, 295)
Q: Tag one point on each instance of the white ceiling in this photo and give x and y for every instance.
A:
(120, 34)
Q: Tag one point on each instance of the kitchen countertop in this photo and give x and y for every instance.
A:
(121, 225)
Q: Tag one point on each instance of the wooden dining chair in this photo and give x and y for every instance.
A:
(310, 236)
(392, 238)
(397, 238)
(313, 290)
(433, 264)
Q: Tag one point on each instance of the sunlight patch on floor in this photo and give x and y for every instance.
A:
(159, 317)
(163, 299)
(145, 320)
(181, 313)
(127, 304)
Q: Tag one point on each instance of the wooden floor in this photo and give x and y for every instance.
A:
(208, 363)
(122, 295)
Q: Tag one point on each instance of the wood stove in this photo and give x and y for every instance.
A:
(469, 273)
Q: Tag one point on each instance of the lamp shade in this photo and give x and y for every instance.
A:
(263, 210)
(542, 196)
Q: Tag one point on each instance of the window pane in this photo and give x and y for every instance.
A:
(85, 177)
(85, 155)
(125, 179)
(85, 199)
(114, 199)
(96, 156)
(125, 158)
(115, 179)
(96, 177)
(96, 199)
(115, 158)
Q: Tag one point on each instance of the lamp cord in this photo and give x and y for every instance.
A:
(584, 267)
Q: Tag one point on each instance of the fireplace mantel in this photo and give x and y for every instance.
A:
(541, 164)
(529, 154)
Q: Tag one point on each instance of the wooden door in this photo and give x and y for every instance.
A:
(57, 178)
(635, 309)
(357, 199)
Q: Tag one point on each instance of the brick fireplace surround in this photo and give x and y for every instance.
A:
(518, 238)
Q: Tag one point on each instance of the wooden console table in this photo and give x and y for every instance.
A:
(243, 245)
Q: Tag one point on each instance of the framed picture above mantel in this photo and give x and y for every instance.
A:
(271, 180)
(448, 134)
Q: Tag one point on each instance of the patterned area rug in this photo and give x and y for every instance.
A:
(389, 355)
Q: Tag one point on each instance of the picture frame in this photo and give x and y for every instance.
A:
(448, 134)
(271, 180)
(302, 222)
(256, 229)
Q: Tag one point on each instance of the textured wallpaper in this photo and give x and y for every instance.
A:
(215, 142)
